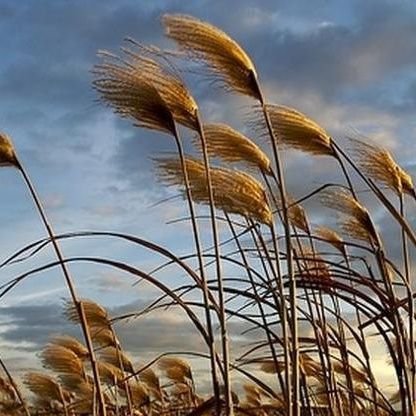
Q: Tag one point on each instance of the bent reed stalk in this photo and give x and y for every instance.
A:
(10, 156)
(309, 302)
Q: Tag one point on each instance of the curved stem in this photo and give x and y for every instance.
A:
(15, 387)
(71, 288)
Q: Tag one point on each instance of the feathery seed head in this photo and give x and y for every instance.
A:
(297, 215)
(44, 386)
(131, 96)
(7, 152)
(152, 382)
(103, 337)
(109, 373)
(62, 360)
(331, 237)
(379, 165)
(358, 223)
(295, 130)
(235, 192)
(269, 366)
(231, 146)
(139, 393)
(116, 357)
(72, 344)
(315, 265)
(97, 316)
(176, 369)
(223, 56)
(253, 394)
(143, 88)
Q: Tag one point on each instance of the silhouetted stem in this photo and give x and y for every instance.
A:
(406, 264)
(294, 405)
(71, 288)
(221, 300)
(258, 299)
(15, 387)
(201, 266)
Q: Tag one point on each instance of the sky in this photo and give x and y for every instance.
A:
(351, 65)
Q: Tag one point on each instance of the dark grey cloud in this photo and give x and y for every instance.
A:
(33, 324)
(30, 327)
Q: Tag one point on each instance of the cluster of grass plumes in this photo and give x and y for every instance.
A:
(310, 298)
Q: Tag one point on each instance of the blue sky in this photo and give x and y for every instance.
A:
(349, 64)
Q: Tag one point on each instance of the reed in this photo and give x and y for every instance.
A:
(310, 310)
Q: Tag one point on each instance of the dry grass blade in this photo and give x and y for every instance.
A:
(62, 360)
(7, 152)
(45, 386)
(235, 192)
(231, 146)
(295, 130)
(224, 57)
(379, 165)
(72, 344)
(358, 223)
(116, 74)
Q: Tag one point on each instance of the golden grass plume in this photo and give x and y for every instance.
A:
(139, 393)
(357, 222)
(117, 357)
(109, 373)
(379, 164)
(176, 369)
(232, 146)
(62, 360)
(7, 152)
(141, 64)
(152, 382)
(97, 316)
(130, 95)
(223, 56)
(235, 192)
(295, 130)
(331, 237)
(297, 215)
(45, 386)
(72, 344)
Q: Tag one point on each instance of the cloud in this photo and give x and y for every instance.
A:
(350, 65)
